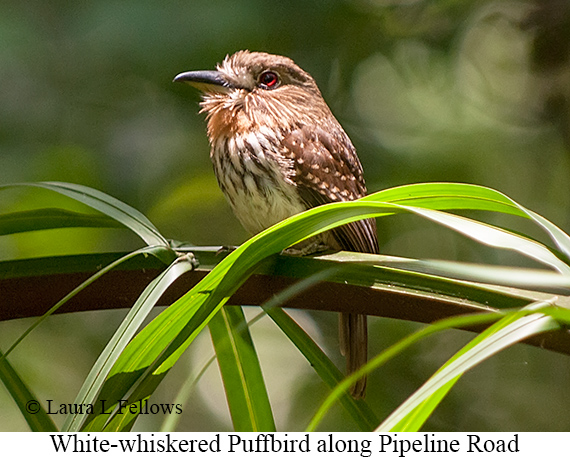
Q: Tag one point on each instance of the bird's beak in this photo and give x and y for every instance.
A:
(205, 80)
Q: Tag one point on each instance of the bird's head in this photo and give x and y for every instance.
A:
(254, 89)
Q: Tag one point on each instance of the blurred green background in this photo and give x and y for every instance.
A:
(455, 90)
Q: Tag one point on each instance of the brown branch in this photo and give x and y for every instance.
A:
(34, 295)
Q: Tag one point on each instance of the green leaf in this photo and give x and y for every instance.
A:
(524, 278)
(156, 348)
(50, 218)
(325, 368)
(243, 381)
(110, 206)
(449, 196)
(157, 251)
(396, 349)
(327, 371)
(137, 314)
(30, 407)
(495, 237)
(456, 196)
(511, 329)
(323, 365)
(153, 257)
(171, 420)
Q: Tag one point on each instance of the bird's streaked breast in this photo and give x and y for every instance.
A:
(265, 193)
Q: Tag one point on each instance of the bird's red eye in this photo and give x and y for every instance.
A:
(268, 80)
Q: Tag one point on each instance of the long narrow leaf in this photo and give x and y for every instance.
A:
(495, 237)
(243, 381)
(110, 206)
(155, 349)
(171, 420)
(448, 196)
(328, 372)
(524, 278)
(559, 237)
(50, 218)
(321, 363)
(324, 367)
(393, 351)
(121, 338)
(30, 407)
(150, 355)
(157, 251)
(454, 196)
(513, 328)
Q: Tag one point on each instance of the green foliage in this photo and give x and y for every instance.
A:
(239, 366)
(28, 404)
(428, 91)
(133, 365)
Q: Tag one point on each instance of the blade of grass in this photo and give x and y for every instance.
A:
(159, 345)
(128, 327)
(157, 251)
(397, 348)
(327, 371)
(110, 206)
(511, 329)
(32, 410)
(50, 218)
(245, 388)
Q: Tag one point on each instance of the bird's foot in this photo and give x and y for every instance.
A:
(306, 249)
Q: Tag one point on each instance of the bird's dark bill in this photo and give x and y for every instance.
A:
(204, 80)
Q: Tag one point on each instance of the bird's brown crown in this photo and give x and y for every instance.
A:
(246, 69)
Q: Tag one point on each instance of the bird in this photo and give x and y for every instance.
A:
(278, 150)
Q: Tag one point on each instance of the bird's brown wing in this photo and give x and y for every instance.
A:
(327, 170)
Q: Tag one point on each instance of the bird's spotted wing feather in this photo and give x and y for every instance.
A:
(327, 170)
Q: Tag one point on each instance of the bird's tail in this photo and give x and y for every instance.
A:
(353, 331)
